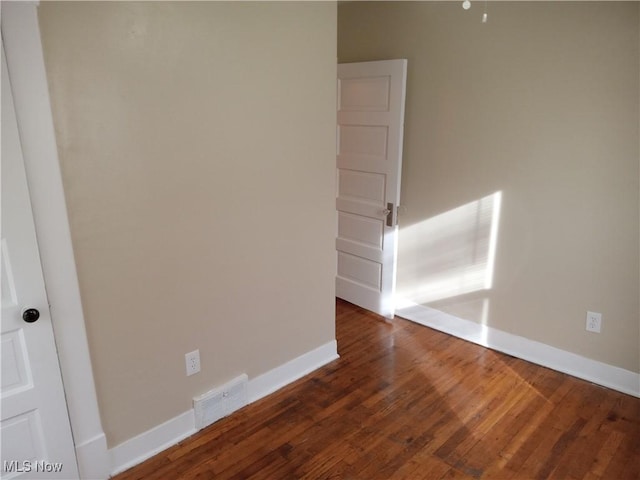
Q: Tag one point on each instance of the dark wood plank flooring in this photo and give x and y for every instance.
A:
(408, 402)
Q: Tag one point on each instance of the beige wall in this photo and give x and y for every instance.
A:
(197, 144)
(540, 103)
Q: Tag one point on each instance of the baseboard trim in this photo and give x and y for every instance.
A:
(289, 372)
(153, 441)
(609, 376)
(93, 459)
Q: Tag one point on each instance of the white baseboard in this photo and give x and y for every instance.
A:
(147, 444)
(93, 459)
(291, 371)
(609, 376)
(136, 450)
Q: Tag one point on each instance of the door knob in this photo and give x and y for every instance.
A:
(30, 315)
(389, 214)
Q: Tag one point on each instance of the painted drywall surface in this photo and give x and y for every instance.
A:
(541, 104)
(197, 145)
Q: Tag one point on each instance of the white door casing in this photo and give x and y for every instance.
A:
(24, 55)
(371, 98)
(36, 439)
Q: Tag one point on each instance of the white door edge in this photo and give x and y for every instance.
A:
(21, 36)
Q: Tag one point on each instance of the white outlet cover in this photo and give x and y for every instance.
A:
(594, 322)
(192, 361)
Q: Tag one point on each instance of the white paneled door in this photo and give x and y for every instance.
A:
(35, 433)
(371, 98)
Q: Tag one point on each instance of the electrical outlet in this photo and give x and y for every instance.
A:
(193, 362)
(594, 322)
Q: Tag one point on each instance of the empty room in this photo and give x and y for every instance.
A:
(348, 240)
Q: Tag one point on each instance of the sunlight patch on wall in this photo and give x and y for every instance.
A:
(450, 254)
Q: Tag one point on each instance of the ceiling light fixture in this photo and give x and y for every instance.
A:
(467, 5)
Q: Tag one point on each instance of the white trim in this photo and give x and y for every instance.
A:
(21, 38)
(609, 376)
(153, 441)
(291, 371)
(93, 462)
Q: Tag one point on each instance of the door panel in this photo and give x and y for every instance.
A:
(360, 229)
(361, 270)
(16, 375)
(369, 161)
(364, 93)
(365, 187)
(35, 432)
(363, 140)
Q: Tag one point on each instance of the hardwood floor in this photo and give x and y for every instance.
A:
(408, 402)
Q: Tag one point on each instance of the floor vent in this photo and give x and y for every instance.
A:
(220, 402)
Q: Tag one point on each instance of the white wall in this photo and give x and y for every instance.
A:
(197, 147)
(541, 104)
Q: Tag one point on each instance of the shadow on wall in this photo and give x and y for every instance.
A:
(451, 255)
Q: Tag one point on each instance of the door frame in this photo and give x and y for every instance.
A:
(25, 60)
